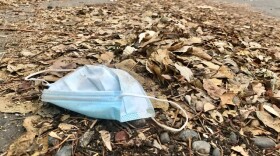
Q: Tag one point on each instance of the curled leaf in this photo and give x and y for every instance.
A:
(185, 71)
(106, 137)
(217, 116)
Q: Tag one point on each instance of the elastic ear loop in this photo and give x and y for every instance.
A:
(29, 77)
(174, 104)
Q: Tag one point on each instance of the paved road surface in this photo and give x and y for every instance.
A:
(270, 7)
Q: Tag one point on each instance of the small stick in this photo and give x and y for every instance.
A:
(2, 56)
(190, 146)
(57, 146)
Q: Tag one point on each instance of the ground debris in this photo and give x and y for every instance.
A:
(219, 62)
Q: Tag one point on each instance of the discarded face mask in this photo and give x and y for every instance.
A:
(102, 92)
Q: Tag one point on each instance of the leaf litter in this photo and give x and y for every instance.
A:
(219, 62)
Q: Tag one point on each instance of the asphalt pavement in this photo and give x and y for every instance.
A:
(269, 7)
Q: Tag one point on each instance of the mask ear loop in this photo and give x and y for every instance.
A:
(29, 77)
(174, 104)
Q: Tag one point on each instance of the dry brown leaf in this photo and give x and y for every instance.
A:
(258, 88)
(43, 142)
(66, 127)
(271, 110)
(268, 120)
(210, 65)
(8, 106)
(199, 52)
(21, 144)
(106, 137)
(25, 141)
(240, 150)
(217, 82)
(183, 49)
(194, 40)
(64, 117)
(161, 105)
(142, 136)
(175, 46)
(228, 99)
(245, 113)
(26, 53)
(255, 131)
(185, 72)
(29, 123)
(157, 145)
(213, 90)
(146, 36)
(217, 116)
(14, 68)
(232, 113)
(128, 50)
(161, 56)
(55, 135)
(107, 57)
(254, 45)
(224, 72)
(208, 106)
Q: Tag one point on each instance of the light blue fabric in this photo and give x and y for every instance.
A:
(96, 91)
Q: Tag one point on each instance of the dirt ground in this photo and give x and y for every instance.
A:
(37, 35)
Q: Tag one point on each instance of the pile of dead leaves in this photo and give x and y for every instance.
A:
(219, 64)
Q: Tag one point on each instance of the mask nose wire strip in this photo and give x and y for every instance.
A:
(29, 77)
(174, 104)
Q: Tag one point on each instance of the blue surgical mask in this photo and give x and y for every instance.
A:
(101, 92)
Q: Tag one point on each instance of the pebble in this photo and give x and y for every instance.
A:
(186, 134)
(86, 138)
(138, 123)
(121, 136)
(264, 142)
(52, 141)
(201, 147)
(65, 151)
(216, 152)
(164, 137)
(233, 138)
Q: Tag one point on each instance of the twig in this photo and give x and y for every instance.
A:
(57, 146)
(190, 146)
(273, 150)
(26, 30)
(2, 56)
(176, 116)
(93, 123)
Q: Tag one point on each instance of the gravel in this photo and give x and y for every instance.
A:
(264, 142)
(201, 147)
(138, 123)
(233, 138)
(185, 135)
(164, 137)
(86, 138)
(216, 152)
(65, 151)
